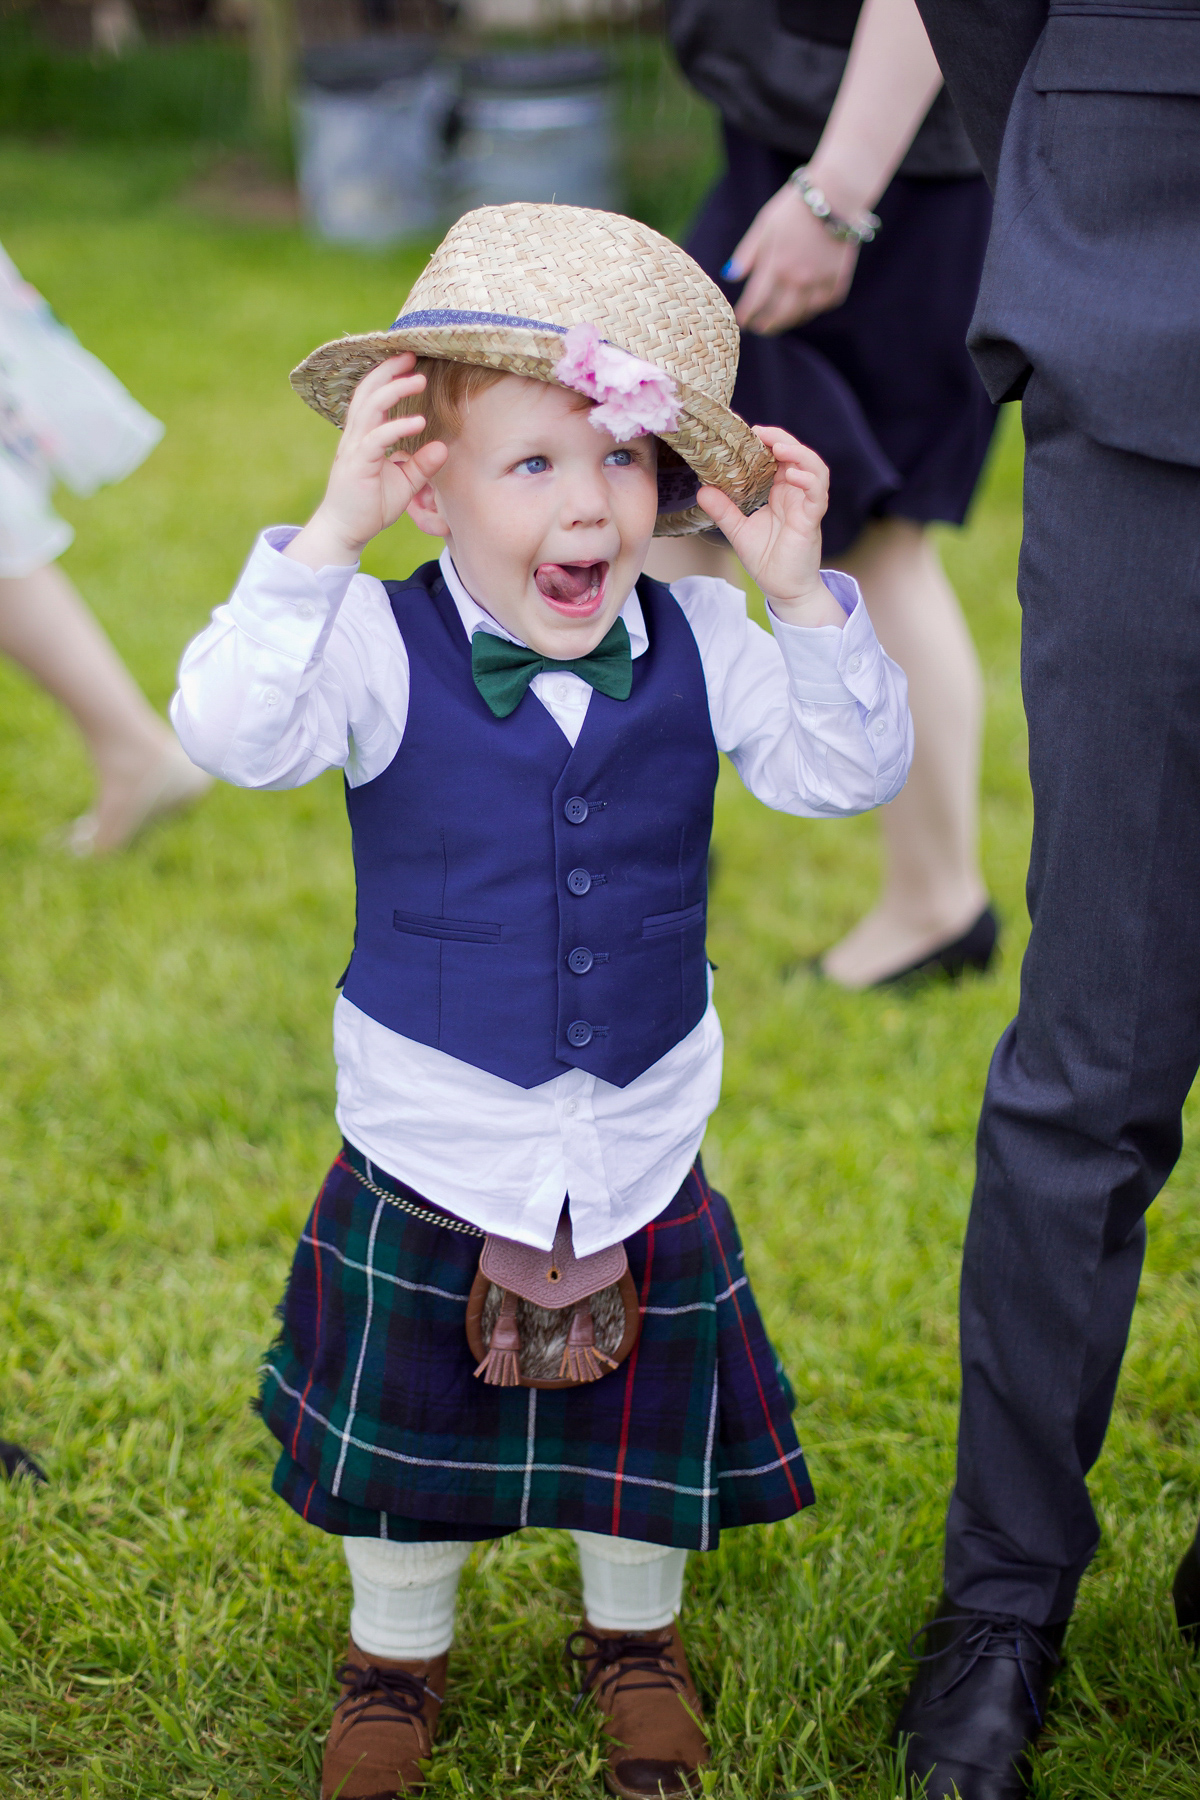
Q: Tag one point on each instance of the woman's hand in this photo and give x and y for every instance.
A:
(372, 481)
(793, 269)
(780, 544)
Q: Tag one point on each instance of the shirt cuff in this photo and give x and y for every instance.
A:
(825, 662)
(284, 604)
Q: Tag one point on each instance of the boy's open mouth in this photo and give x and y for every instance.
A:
(572, 587)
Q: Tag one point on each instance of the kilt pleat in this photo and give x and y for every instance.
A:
(385, 1432)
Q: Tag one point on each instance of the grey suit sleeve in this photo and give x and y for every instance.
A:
(982, 46)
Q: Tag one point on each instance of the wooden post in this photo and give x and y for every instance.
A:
(274, 40)
(115, 27)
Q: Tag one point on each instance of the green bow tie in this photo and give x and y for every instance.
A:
(503, 671)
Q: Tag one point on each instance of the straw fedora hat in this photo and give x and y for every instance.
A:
(507, 283)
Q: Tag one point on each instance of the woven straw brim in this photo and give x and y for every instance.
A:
(711, 439)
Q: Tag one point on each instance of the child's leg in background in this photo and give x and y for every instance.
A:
(142, 770)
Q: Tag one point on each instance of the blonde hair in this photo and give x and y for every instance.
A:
(450, 388)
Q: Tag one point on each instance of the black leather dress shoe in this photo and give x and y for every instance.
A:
(973, 950)
(15, 1461)
(1186, 1593)
(977, 1704)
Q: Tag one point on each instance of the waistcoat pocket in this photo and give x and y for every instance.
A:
(464, 931)
(662, 924)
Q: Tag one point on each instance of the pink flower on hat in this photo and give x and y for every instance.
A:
(635, 397)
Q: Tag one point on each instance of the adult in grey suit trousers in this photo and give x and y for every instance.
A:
(1086, 117)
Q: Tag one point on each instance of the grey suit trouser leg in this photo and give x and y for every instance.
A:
(1081, 1118)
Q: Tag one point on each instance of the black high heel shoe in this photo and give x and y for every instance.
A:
(975, 949)
(1185, 1592)
(15, 1461)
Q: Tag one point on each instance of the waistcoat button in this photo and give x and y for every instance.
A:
(579, 1033)
(580, 960)
(579, 881)
(576, 810)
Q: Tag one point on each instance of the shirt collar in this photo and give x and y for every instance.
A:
(476, 618)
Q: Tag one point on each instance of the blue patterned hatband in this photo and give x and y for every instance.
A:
(449, 315)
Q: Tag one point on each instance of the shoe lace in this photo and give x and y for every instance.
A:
(608, 1661)
(985, 1636)
(397, 1689)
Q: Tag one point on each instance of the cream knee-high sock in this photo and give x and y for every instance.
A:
(629, 1585)
(404, 1596)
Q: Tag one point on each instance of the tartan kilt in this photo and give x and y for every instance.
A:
(385, 1431)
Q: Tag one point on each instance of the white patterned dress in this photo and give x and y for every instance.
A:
(63, 417)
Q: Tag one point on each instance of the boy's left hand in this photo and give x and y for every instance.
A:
(780, 544)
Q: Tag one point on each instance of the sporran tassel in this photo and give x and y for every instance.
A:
(581, 1360)
(501, 1366)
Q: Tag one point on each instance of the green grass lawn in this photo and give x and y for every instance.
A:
(167, 1628)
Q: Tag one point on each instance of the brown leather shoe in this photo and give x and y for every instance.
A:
(643, 1687)
(383, 1726)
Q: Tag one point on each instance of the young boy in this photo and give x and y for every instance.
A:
(526, 1046)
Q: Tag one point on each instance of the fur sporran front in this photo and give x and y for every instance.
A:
(547, 1318)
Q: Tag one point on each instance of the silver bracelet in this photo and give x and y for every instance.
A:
(846, 231)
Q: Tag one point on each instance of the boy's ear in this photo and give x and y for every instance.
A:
(425, 512)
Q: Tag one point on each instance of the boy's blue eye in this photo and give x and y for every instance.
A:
(535, 465)
(622, 458)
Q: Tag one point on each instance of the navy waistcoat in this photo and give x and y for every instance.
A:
(524, 906)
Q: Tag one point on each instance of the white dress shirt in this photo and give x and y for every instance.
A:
(304, 671)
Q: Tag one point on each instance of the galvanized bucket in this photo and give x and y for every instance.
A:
(535, 125)
(371, 125)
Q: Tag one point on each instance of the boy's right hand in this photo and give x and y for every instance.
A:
(372, 481)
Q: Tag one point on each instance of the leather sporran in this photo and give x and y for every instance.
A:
(549, 1318)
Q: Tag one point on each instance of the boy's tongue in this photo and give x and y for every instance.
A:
(567, 582)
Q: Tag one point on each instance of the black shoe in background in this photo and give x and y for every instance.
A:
(977, 1703)
(1186, 1593)
(975, 950)
(15, 1461)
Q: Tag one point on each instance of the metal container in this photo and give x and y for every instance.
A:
(535, 125)
(371, 124)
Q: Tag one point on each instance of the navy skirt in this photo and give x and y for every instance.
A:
(882, 387)
(385, 1432)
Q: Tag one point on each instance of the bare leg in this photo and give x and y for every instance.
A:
(45, 626)
(933, 887)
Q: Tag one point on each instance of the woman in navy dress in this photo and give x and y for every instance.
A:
(856, 343)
